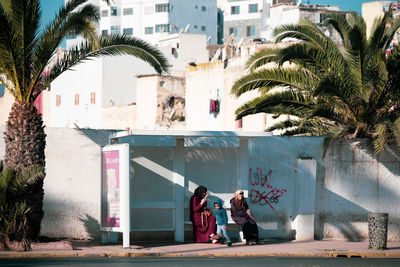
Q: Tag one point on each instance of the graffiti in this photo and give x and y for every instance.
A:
(257, 178)
(264, 197)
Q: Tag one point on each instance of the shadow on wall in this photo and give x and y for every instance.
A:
(346, 188)
(92, 226)
(100, 137)
(65, 218)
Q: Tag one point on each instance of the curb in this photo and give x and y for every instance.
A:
(172, 255)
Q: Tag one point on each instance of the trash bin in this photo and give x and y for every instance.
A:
(377, 230)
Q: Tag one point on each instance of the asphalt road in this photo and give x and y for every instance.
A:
(204, 261)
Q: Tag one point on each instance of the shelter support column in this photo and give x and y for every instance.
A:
(244, 165)
(179, 183)
(306, 171)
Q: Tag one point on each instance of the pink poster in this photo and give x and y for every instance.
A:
(110, 189)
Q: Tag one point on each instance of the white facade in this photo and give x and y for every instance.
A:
(292, 14)
(182, 49)
(154, 19)
(244, 18)
(112, 81)
(254, 19)
(323, 197)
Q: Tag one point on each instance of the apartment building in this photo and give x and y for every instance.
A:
(256, 20)
(154, 19)
(245, 19)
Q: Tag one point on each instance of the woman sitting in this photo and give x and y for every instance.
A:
(204, 223)
(241, 215)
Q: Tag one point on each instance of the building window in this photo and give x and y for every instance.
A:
(2, 90)
(76, 99)
(203, 28)
(233, 30)
(162, 8)
(58, 100)
(251, 30)
(92, 98)
(195, 26)
(196, 6)
(115, 11)
(127, 11)
(235, 10)
(115, 29)
(104, 13)
(104, 32)
(322, 17)
(162, 28)
(128, 31)
(148, 30)
(203, 8)
(253, 8)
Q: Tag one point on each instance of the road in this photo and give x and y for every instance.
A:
(203, 262)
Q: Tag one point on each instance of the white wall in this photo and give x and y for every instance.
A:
(119, 79)
(331, 195)
(211, 81)
(72, 184)
(186, 48)
(147, 103)
(84, 79)
(244, 9)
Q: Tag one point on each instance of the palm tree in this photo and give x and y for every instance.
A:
(14, 209)
(25, 53)
(349, 90)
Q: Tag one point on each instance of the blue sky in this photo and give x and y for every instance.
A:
(50, 7)
(345, 5)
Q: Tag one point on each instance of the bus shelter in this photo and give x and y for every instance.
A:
(117, 173)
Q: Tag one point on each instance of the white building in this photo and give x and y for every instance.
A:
(292, 14)
(154, 19)
(257, 19)
(372, 10)
(99, 93)
(244, 18)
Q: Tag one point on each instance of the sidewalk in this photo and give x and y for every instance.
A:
(322, 249)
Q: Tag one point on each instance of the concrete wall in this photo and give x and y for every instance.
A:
(154, 111)
(84, 79)
(119, 117)
(210, 81)
(293, 191)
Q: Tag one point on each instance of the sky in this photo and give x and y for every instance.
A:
(50, 7)
(345, 5)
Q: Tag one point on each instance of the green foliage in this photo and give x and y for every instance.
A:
(14, 210)
(345, 90)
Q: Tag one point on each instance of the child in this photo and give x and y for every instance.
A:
(222, 221)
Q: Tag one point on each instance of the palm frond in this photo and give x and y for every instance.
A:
(261, 58)
(381, 140)
(340, 24)
(287, 102)
(266, 79)
(112, 45)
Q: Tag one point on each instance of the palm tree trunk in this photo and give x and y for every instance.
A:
(25, 142)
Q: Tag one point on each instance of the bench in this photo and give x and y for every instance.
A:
(232, 227)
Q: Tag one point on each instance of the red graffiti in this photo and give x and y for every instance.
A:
(258, 179)
(266, 198)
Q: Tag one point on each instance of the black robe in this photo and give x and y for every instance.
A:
(248, 225)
